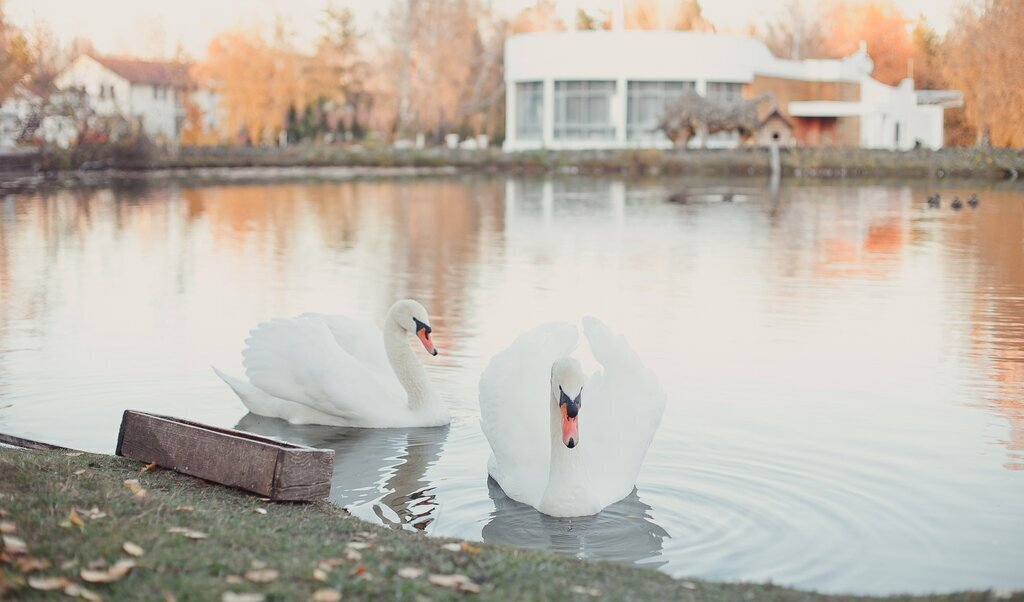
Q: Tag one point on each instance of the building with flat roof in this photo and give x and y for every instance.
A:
(609, 89)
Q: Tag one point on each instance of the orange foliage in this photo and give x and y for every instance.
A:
(539, 17)
(879, 23)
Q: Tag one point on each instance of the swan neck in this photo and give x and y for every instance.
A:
(567, 477)
(408, 369)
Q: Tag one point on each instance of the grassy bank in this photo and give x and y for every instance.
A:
(71, 166)
(205, 542)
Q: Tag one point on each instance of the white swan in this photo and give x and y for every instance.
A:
(333, 370)
(564, 444)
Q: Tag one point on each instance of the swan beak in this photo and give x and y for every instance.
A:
(424, 336)
(570, 425)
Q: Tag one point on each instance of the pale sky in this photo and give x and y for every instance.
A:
(154, 27)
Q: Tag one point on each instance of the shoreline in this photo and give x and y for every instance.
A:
(200, 541)
(234, 164)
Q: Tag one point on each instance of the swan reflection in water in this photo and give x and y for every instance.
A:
(622, 532)
(375, 470)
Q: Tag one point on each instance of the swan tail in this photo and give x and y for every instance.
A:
(256, 400)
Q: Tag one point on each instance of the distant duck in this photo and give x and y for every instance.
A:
(934, 200)
(956, 204)
(680, 197)
(973, 200)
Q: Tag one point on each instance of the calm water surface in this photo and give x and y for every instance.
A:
(845, 367)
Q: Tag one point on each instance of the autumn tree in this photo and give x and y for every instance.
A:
(981, 57)
(542, 16)
(797, 33)
(879, 23)
(15, 61)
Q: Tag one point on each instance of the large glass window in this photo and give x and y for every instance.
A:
(646, 105)
(583, 110)
(529, 110)
(727, 91)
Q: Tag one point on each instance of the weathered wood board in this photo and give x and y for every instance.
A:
(274, 469)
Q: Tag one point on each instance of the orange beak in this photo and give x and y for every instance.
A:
(424, 337)
(570, 429)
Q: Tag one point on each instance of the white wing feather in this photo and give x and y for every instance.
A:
(624, 403)
(301, 360)
(514, 393)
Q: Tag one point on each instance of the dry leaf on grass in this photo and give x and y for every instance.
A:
(31, 564)
(148, 467)
(357, 545)
(117, 572)
(15, 546)
(689, 584)
(409, 572)
(93, 513)
(132, 549)
(73, 454)
(470, 549)
(67, 565)
(189, 533)
(77, 591)
(7, 527)
(330, 563)
(134, 486)
(234, 579)
(584, 591)
(74, 519)
(242, 597)
(260, 510)
(353, 555)
(461, 583)
(79, 472)
(46, 584)
(319, 574)
(262, 575)
(326, 594)
(452, 547)
(184, 509)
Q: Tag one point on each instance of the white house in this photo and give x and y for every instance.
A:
(607, 89)
(151, 92)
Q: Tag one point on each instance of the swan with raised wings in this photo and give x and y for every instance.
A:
(334, 370)
(562, 443)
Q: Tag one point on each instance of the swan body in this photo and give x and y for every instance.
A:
(563, 443)
(333, 370)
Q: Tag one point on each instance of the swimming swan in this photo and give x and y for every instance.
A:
(333, 370)
(562, 443)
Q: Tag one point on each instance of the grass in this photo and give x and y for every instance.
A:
(38, 491)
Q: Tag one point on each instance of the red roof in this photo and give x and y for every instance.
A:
(147, 72)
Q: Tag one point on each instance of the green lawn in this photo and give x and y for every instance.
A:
(281, 551)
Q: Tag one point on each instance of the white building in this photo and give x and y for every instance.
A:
(607, 89)
(150, 92)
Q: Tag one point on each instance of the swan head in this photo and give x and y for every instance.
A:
(412, 317)
(567, 395)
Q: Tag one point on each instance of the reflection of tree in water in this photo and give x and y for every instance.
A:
(381, 468)
(622, 532)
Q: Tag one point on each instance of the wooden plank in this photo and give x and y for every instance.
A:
(13, 441)
(274, 469)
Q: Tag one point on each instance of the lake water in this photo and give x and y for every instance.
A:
(844, 365)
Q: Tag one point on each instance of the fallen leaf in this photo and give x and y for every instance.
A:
(689, 585)
(234, 579)
(357, 545)
(7, 527)
(77, 591)
(46, 584)
(471, 549)
(265, 500)
(74, 519)
(73, 454)
(452, 547)
(133, 549)
(258, 564)
(30, 564)
(319, 574)
(93, 513)
(134, 486)
(585, 591)
(189, 533)
(326, 595)
(67, 565)
(120, 569)
(262, 575)
(3, 512)
(461, 583)
(79, 472)
(409, 572)
(15, 546)
(148, 467)
(242, 597)
(330, 563)
(184, 509)
(260, 510)
(359, 570)
(353, 555)
(169, 597)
